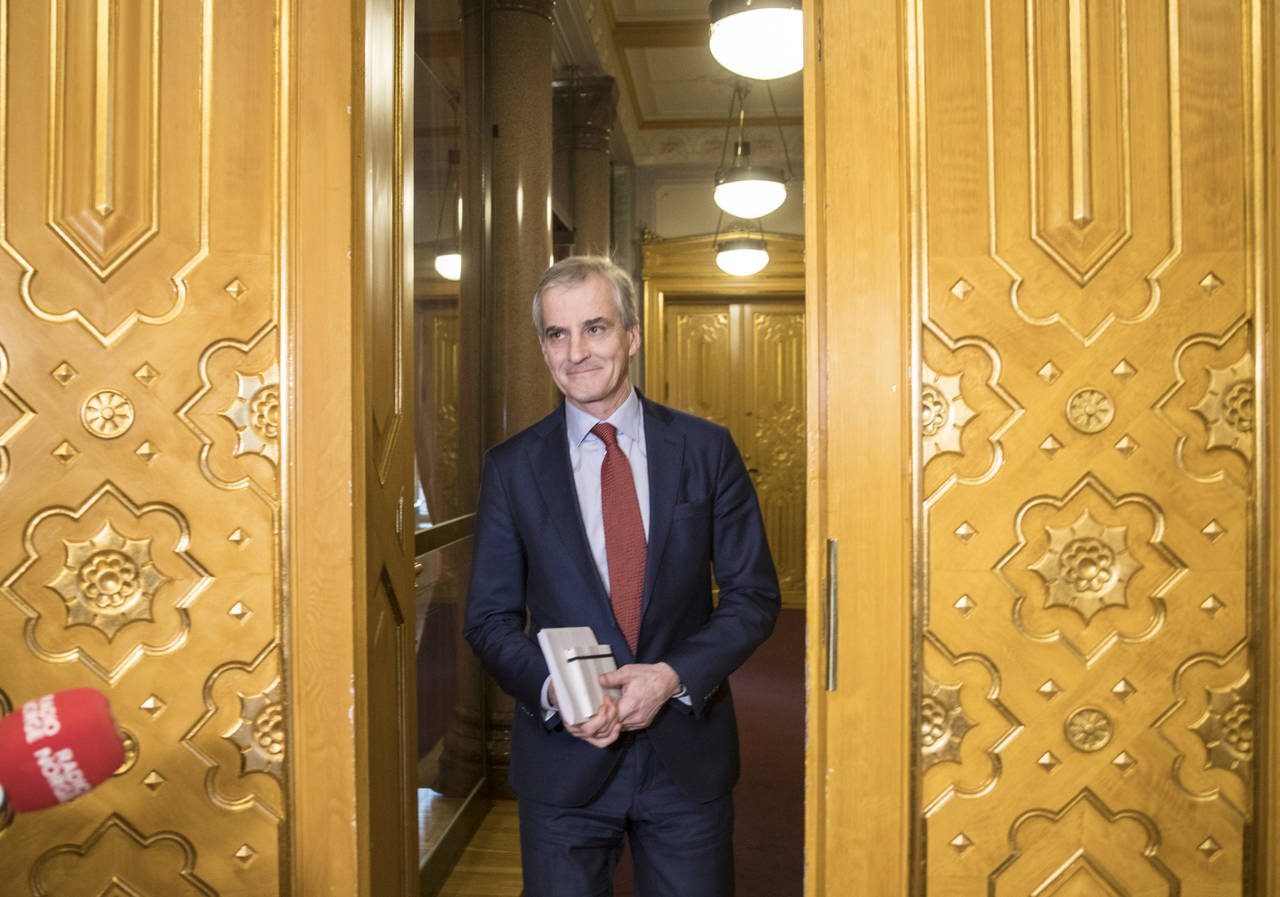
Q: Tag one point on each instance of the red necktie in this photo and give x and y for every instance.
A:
(624, 542)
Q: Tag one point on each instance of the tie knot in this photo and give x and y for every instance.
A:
(608, 433)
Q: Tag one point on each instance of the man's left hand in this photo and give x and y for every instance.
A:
(645, 688)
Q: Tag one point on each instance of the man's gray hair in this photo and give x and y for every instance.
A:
(576, 269)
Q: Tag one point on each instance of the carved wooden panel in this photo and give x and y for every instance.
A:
(773, 431)
(742, 366)
(140, 433)
(1089, 255)
(702, 346)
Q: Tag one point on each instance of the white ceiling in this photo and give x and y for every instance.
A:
(673, 96)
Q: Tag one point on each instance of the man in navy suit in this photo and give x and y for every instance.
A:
(659, 762)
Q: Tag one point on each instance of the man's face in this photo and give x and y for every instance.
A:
(586, 347)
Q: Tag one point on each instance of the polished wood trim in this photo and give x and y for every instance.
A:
(325, 500)
(1267, 88)
(858, 801)
(443, 534)
(815, 316)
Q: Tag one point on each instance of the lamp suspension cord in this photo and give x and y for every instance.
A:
(781, 137)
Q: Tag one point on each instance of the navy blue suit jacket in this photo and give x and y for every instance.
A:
(533, 565)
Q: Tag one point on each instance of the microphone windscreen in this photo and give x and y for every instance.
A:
(57, 747)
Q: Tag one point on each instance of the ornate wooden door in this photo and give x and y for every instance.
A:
(1075, 292)
(205, 455)
(741, 364)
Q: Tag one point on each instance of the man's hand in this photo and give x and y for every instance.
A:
(645, 688)
(601, 729)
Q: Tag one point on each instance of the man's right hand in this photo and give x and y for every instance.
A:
(601, 729)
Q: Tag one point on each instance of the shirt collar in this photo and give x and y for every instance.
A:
(628, 418)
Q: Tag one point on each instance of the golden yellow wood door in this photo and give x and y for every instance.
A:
(1036, 436)
(741, 364)
(205, 452)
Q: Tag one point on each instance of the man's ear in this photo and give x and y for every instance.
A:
(633, 336)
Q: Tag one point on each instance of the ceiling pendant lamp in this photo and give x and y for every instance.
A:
(759, 39)
(448, 261)
(742, 256)
(449, 265)
(742, 189)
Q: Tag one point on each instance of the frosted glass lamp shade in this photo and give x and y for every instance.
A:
(758, 41)
(742, 256)
(750, 192)
(449, 265)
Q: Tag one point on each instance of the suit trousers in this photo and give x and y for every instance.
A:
(679, 847)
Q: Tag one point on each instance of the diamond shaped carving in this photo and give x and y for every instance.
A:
(1124, 689)
(1124, 370)
(965, 532)
(65, 452)
(1048, 761)
(1049, 690)
(238, 537)
(961, 289)
(146, 375)
(1049, 372)
(154, 780)
(961, 842)
(1209, 847)
(1212, 605)
(236, 289)
(1127, 445)
(1124, 761)
(245, 853)
(1213, 530)
(965, 605)
(146, 451)
(153, 705)
(1211, 283)
(240, 611)
(64, 373)
(1051, 445)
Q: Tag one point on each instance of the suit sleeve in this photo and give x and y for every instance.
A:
(496, 613)
(750, 598)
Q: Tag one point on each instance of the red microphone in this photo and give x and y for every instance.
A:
(57, 747)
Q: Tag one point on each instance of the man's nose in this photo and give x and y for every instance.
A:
(578, 350)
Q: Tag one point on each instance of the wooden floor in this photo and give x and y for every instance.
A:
(490, 865)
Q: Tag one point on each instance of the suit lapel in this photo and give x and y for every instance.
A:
(665, 450)
(550, 469)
